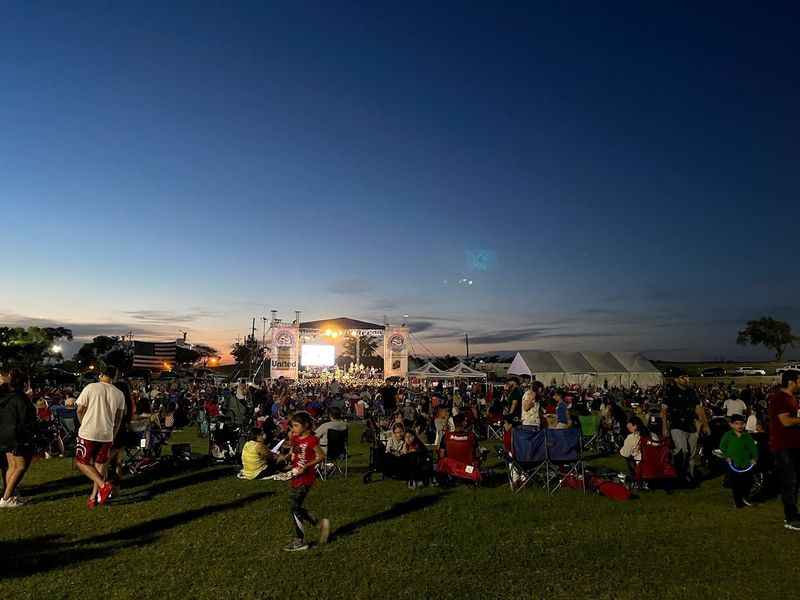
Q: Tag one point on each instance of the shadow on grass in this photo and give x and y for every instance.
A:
(129, 495)
(52, 486)
(397, 510)
(44, 553)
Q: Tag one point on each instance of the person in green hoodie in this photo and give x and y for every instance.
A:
(17, 427)
(741, 452)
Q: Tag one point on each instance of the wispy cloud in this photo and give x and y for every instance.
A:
(350, 287)
(166, 317)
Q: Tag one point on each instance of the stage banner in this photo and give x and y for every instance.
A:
(395, 351)
(284, 351)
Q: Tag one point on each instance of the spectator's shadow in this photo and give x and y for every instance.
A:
(397, 510)
(51, 486)
(43, 553)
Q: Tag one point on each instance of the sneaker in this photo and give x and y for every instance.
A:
(21, 499)
(794, 524)
(10, 503)
(91, 502)
(411, 484)
(746, 503)
(104, 494)
(324, 531)
(296, 546)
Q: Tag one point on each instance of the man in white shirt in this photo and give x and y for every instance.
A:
(100, 410)
(734, 406)
(335, 423)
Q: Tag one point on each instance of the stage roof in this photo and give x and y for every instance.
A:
(340, 324)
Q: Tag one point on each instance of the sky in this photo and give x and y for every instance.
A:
(561, 176)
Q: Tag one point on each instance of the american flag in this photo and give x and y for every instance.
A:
(154, 355)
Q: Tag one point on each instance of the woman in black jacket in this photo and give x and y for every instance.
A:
(17, 426)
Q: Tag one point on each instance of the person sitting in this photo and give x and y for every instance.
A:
(531, 406)
(396, 442)
(258, 461)
(413, 456)
(336, 423)
(459, 452)
(562, 411)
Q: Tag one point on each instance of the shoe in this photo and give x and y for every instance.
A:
(411, 484)
(21, 499)
(10, 503)
(296, 546)
(91, 502)
(104, 494)
(746, 503)
(793, 525)
(324, 531)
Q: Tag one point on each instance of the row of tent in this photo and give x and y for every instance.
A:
(618, 369)
(460, 371)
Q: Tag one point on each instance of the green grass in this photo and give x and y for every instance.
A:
(205, 534)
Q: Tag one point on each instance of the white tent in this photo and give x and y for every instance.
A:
(586, 368)
(427, 371)
(462, 371)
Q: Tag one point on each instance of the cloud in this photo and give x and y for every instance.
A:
(165, 317)
(84, 330)
(420, 326)
(347, 287)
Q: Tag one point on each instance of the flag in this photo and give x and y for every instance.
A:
(154, 355)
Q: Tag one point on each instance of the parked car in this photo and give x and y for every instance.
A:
(713, 372)
(749, 371)
(787, 367)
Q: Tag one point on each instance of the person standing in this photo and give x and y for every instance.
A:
(684, 412)
(784, 441)
(101, 407)
(306, 454)
(741, 453)
(17, 427)
(514, 399)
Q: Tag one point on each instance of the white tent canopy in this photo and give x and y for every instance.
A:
(428, 371)
(586, 368)
(462, 371)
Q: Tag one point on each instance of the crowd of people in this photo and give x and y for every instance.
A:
(282, 428)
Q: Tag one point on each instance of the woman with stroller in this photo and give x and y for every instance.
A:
(17, 430)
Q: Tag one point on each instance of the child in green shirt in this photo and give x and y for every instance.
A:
(741, 453)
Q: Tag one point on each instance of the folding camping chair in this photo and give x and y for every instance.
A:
(337, 455)
(565, 460)
(459, 461)
(528, 459)
(590, 433)
(494, 426)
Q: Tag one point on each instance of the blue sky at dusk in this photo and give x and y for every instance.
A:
(629, 176)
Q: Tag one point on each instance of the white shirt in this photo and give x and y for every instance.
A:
(102, 401)
(631, 447)
(734, 407)
(530, 417)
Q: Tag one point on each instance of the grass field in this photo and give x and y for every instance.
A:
(204, 534)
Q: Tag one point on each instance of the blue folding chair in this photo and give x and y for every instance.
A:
(528, 461)
(564, 458)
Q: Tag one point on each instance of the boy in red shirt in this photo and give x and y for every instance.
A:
(306, 454)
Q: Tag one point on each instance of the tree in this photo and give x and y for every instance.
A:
(107, 348)
(366, 346)
(768, 332)
(247, 353)
(28, 348)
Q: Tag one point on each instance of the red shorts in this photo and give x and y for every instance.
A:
(89, 452)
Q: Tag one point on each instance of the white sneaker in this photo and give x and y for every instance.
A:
(10, 503)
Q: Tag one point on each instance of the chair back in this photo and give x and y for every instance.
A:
(460, 447)
(528, 444)
(563, 445)
(589, 424)
(337, 443)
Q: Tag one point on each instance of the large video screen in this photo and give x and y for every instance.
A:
(317, 355)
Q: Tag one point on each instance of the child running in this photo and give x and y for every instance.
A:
(306, 454)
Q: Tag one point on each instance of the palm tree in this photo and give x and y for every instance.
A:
(366, 346)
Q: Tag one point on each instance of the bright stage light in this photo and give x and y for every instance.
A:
(317, 355)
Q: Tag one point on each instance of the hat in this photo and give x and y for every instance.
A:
(736, 418)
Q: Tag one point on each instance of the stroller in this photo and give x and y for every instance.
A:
(143, 446)
(416, 466)
(225, 440)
